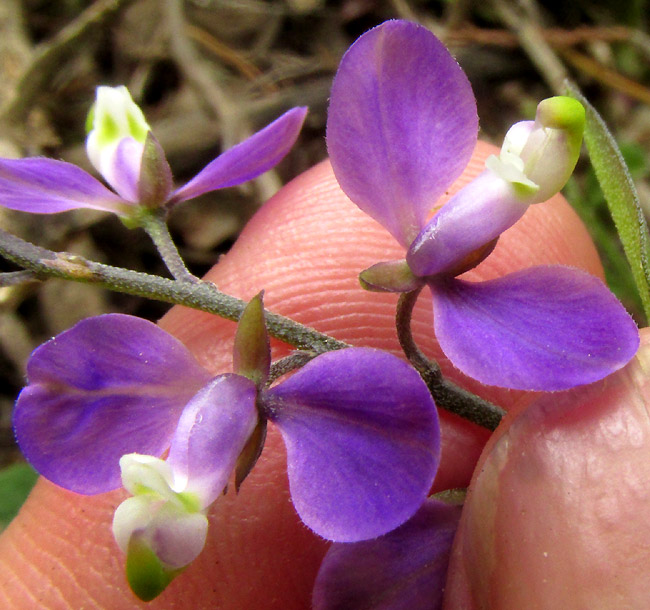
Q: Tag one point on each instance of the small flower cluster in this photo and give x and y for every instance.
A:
(123, 149)
(117, 401)
(397, 138)
(115, 391)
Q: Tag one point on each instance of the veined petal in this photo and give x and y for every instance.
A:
(46, 186)
(111, 385)
(401, 125)
(121, 169)
(405, 569)
(545, 328)
(363, 442)
(211, 433)
(247, 160)
(176, 536)
(474, 217)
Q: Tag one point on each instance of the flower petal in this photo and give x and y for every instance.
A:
(402, 124)
(405, 569)
(545, 328)
(247, 160)
(472, 218)
(211, 434)
(46, 186)
(175, 536)
(363, 442)
(109, 386)
(121, 168)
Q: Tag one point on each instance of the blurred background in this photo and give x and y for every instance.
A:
(208, 73)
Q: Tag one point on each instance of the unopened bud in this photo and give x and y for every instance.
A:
(537, 158)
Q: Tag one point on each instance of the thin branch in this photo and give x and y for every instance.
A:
(447, 395)
(532, 42)
(156, 227)
(205, 296)
(49, 56)
(16, 278)
(201, 295)
(289, 363)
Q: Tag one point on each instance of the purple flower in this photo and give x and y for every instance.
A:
(123, 150)
(360, 427)
(405, 569)
(402, 125)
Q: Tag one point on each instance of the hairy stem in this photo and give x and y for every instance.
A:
(156, 227)
(204, 296)
(200, 295)
(447, 395)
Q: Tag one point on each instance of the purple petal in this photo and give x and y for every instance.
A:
(111, 385)
(46, 186)
(402, 125)
(247, 160)
(176, 537)
(362, 440)
(211, 434)
(122, 169)
(475, 216)
(545, 328)
(404, 570)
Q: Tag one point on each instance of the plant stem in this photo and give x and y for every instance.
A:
(155, 225)
(200, 295)
(447, 395)
(15, 278)
(289, 363)
(204, 296)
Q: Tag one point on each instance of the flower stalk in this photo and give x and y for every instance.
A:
(155, 225)
(42, 263)
(446, 394)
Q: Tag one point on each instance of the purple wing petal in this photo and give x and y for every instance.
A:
(46, 186)
(111, 385)
(402, 124)
(211, 434)
(247, 160)
(362, 440)
(545, 328)
(405, 569)
(122, 169)
(475, 216)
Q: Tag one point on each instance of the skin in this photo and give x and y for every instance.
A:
(305, 248)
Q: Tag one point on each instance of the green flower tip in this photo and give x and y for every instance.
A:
(562, 112)
(115, 115)
(146, 574)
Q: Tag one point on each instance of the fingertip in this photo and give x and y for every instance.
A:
(556, 514)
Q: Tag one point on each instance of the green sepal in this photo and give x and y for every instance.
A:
(147, 576)
(155, 182)
(620, 194)
(389, 276)
(252, 350)
(251, 453)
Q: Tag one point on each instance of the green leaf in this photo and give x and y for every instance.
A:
(621, 196)
(16, 481)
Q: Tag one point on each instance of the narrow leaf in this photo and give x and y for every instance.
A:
(16, 481)
(621, 196)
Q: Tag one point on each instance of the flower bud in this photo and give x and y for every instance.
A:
(160, 529)
(117, 131)
(537, 158)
